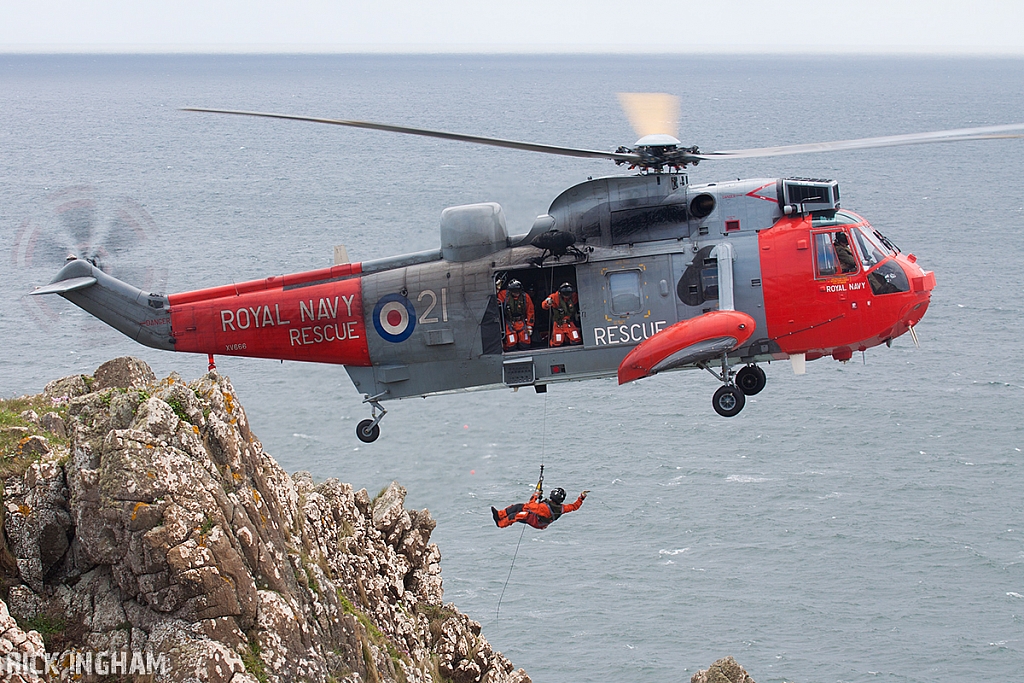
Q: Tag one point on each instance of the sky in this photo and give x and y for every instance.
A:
(988, 27)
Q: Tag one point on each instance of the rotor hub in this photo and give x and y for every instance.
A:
(656, 140)
(659, 151)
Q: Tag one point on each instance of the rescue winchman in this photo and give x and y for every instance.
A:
(518, 312)
(537, 512)
(564, 305)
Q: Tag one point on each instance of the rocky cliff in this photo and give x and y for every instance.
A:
(725, 670)
(145, 531)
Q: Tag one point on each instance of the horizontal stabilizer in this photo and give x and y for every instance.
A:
(143, 316)
(686, 343)
(69, 285)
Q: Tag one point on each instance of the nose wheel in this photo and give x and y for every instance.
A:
(368, 430)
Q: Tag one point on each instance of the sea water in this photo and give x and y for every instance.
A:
(862, 522)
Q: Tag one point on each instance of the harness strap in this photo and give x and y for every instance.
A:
(516, 306)
(565, 310)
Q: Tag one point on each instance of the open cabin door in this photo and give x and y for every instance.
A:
(538, 284)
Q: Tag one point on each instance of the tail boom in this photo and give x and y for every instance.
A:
(319, 320)
(141, 316)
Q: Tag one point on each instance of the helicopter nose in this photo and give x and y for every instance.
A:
(922, 282)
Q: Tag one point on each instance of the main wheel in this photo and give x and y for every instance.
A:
(751, 380)
(728, 400)
(367, 432)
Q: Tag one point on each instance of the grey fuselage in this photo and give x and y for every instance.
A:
(647, 259)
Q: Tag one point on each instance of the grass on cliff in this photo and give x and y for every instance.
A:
(252, 661)
(46, 625)
(14, 428)
(436, 616)
(311, 581)
(377, 638)
(58, 632)
(349, 608)
(178, 409)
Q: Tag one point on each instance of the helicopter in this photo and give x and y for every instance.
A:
(663, 275)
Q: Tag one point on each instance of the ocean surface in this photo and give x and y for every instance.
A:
(862, 522)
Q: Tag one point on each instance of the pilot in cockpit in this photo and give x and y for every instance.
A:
(847, 261)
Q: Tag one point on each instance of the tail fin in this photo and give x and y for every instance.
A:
(144, 317)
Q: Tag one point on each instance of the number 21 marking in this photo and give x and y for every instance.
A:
(424, 319)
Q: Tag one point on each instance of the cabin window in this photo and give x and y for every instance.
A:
(833, 254)
(624, 286)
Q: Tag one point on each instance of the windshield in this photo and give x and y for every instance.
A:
(871, 253)
(879, 240)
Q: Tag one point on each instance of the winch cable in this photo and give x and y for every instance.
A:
(540, 491)
(551, 311)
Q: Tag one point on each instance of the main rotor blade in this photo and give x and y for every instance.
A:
(651, 112)
(956, 135)
(477, 139)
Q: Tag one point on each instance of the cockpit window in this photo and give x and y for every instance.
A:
(883, 243)
(888, 278)
(827, 263)
(869, 252)
(840, 218)
(832, 250)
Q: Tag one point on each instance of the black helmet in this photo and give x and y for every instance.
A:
(565, 288)
(557, 496)
(515, 286)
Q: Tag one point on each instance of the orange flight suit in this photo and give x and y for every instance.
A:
(519, 318)
(537, 513)
(563, 312)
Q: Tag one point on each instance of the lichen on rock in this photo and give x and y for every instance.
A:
(163, 526)
(724, 670)
(15, 641)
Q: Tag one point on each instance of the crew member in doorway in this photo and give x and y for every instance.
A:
(537, 512)
(517, 309)
(564, 305)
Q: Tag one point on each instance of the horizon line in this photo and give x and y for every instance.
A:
(518, 50)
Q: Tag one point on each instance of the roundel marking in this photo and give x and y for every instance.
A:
(394, 318)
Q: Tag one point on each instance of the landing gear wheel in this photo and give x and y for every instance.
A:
(728, 401)
(367, 432)
(751, 380)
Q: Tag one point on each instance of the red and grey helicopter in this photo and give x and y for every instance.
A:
(663, 275)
